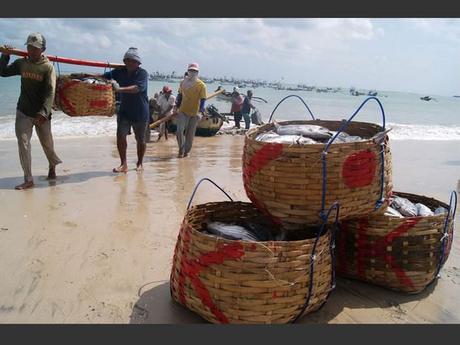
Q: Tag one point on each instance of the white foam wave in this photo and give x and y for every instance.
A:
(96, 126)
(423, 132)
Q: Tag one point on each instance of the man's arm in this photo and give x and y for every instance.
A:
(50, 90)
(8, 70)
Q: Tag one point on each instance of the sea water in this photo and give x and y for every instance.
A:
(409, 117)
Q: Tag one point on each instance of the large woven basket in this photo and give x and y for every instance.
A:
(286, 181)
(78, 98)
(226, 281)
(403, 254)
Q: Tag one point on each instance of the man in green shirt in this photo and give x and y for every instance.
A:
(38, 85)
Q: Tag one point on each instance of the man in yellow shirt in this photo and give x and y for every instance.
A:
(189, 101)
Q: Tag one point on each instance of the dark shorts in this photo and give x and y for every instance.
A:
(139, 128)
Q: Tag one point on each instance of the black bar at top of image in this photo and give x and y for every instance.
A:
(232, 8)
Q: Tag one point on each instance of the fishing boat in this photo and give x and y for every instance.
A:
(208, 125)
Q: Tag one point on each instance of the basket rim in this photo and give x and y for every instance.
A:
(251, 133)
(408, 195)
(225, 240)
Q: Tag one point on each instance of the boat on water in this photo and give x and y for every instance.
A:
(426, 98)
(208, 125)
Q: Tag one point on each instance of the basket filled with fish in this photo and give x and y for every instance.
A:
(84, 96)
(294, 170)
(402, 249)
(233, 265)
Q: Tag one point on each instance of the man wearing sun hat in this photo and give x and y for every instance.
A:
(38, 86)
(166, 102)
(190, 100)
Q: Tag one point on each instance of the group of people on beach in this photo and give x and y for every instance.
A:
(130, 82)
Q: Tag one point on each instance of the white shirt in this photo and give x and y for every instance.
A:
(164, 103)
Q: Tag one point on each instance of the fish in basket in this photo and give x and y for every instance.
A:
(403, 249)
(85, 96)
(295, 170)
(230, 266)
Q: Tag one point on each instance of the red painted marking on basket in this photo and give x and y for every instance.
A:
(192, 269)
(63, 98)
(359, 169)
(101, 87)
(185, 249)
(258, 161)
(379, 249)
(262, 157)
(100, 103)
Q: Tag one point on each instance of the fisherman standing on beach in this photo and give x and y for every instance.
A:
(131, 83)
(166, 103)
(190, 100)
(38, 86)
(237, 104)
(246, 109)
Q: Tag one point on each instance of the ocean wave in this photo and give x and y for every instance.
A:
(423, 132)
(64, 126)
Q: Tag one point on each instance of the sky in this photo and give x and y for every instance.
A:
(397, 54)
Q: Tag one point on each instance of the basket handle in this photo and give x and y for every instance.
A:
(198, 184)
(301, 99)
(335, 206)
(345, 123)
(342, 127)
(453, 196)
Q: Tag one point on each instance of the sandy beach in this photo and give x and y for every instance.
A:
(96, 247)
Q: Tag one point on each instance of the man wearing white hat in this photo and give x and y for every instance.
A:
(189, 101)
(38, 86)
(131, 83)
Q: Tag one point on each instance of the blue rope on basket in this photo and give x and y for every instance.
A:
(336, 206)
(326, 148)
(198, 184)
(453, 196)
(301, 99)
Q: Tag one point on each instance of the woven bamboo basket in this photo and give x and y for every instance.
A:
(403, 254)
(286, 181)
(77, 98)
(243, 282)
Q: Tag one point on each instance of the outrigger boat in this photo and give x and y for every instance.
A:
(208, 125)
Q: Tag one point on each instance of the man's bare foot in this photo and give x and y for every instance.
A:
(25, 185)
(120, 169)
(185, 155)
(180, 155)
(52, 173)
(139, 168)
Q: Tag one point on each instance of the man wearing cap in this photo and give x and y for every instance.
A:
(166, 103)
(190, 100)
(131, 83)
(38, 85)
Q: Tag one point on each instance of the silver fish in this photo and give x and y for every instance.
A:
(266, 136)
(440, 210)
(344, 137)
(404, 206)
(230, 231)
(309, 131)
(291, 140)
(391, 212)
(423, 211)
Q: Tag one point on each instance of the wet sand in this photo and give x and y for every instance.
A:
(96, 247)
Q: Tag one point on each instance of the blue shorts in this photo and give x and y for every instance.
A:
(139, 128)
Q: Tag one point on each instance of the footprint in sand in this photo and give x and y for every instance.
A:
(70, 224)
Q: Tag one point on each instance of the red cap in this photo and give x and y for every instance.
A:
(194, 66)
(167, 89)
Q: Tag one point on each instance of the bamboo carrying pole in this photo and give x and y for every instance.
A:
(65, 60)
(169, 117)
